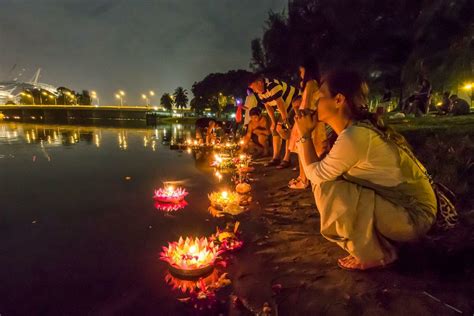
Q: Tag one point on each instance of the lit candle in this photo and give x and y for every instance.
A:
(225, 195)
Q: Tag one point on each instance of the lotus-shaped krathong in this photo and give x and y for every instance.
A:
(190, 258)
(223, 199)
(169, 194)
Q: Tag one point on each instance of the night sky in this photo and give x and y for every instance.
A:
(134, 45)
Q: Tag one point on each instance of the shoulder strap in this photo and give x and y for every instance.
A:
(403, 148)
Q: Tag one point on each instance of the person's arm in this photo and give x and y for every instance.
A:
(310, 88)
(343, 156)
(281, 108)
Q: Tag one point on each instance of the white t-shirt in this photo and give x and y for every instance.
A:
(250, 102)
(362, 153)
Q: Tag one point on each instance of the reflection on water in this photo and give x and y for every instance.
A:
(64, 135)
(79, 218)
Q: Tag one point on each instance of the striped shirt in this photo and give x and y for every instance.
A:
(275, 89)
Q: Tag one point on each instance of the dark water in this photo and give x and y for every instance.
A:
(77, 237)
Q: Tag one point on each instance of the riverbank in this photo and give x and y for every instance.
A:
(298, 273)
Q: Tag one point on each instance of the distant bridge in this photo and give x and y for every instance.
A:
(65, 113)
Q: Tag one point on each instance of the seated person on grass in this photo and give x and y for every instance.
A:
(460, 106)
(258, 132)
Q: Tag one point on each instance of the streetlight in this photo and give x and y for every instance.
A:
(118, 96)
(469, 87)
(94, 96)
(144, 97)
(152, 94)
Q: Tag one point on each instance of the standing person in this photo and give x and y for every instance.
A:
(277, 97)
(309, 75)
(370, 189)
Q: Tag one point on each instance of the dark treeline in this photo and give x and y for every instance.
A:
(218, 91)
(392, 42)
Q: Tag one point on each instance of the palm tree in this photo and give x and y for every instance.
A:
(181, 97)
(166, 101)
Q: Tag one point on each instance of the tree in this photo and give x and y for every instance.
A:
(219, 88)
(166, 101)
(181, 97)
(390, 42)
(84, 98)
(258, 56)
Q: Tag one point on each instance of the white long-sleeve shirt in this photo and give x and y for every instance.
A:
(362, 153)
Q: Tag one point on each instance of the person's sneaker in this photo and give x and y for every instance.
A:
(273, 162)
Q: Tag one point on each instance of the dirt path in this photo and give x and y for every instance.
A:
(287, 263)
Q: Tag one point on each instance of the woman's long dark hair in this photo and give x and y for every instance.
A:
(356, 91)
(311, 72)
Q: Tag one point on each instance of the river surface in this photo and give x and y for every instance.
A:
(79, 232)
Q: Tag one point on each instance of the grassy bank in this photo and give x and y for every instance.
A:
(446, 146)
(177, 120)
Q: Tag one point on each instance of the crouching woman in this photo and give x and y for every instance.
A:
(370, 189)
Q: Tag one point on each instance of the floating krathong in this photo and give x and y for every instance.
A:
(243, 188)
(243, 164)
(190, 258)
(169, 194)
(228, 239)
(170, 207)
(223, 203)
(223, 199)
(222, 162)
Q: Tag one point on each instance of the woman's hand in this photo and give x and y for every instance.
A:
(306, 122)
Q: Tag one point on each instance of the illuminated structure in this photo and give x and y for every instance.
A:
(10, 90)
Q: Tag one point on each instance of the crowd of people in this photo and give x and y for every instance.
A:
(369, 188)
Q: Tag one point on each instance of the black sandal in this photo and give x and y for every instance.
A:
(284, 164)
(273, 162)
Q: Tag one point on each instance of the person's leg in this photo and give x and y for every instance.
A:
(286, 157)
(301, 182)
(263, 141)
(302, 174)
(348, 219)
(276, 147)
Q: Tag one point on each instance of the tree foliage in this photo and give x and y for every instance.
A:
(181, 98)
(217, 90)
(166, 101)
(392, 42)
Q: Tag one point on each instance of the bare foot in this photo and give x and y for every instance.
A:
(352, 263)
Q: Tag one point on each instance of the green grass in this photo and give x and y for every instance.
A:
(445, 145)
